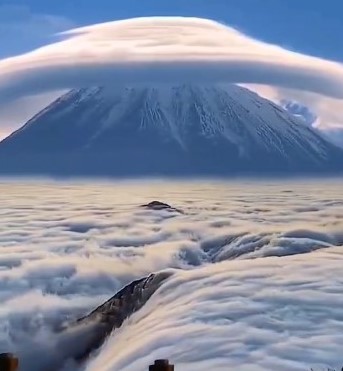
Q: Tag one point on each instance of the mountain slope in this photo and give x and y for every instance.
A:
(165, 130)
(110, 315)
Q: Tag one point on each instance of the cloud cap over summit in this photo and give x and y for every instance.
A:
(163, 49)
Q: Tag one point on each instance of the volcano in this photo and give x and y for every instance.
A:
(166, 130)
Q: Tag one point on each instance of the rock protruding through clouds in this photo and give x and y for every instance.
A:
(158, 205)
(74, 342)
(111, 315)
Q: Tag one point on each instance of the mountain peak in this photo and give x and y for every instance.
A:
(183, 129)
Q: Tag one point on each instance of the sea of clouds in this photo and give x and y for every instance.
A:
(256, 269)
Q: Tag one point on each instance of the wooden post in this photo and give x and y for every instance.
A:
(8, 362)
(161, 365)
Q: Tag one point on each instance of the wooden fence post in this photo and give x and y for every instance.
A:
(8, 362)
(161, 365)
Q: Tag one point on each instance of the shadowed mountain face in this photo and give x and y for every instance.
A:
(75, 342)
(158, 205)
(111, 315)
(166, 130)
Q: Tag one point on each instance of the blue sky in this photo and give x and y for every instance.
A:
(311, 26)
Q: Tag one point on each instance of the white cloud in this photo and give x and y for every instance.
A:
(328, 110)
(67, 247)
(21, 29)
(263, 314)
(17, 113)
(164, 49)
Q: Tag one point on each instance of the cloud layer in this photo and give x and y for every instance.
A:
(329, 111)
(257, 268)
(163, 49)
(20, 111)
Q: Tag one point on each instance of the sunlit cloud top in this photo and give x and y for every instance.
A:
(163, 49)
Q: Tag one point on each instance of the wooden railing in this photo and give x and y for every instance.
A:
(8, 362)
(161, 365)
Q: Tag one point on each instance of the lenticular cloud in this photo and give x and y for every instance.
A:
(163, 49)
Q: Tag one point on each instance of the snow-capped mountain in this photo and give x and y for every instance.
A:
(166, 130)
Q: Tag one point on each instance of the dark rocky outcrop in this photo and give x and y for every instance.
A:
(111, 315)
(72, 343)
(157, 205)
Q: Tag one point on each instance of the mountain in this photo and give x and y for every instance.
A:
(75, 341)
(179, 130)
(102, 321)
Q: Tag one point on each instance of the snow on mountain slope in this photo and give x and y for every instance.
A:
(164, 129)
